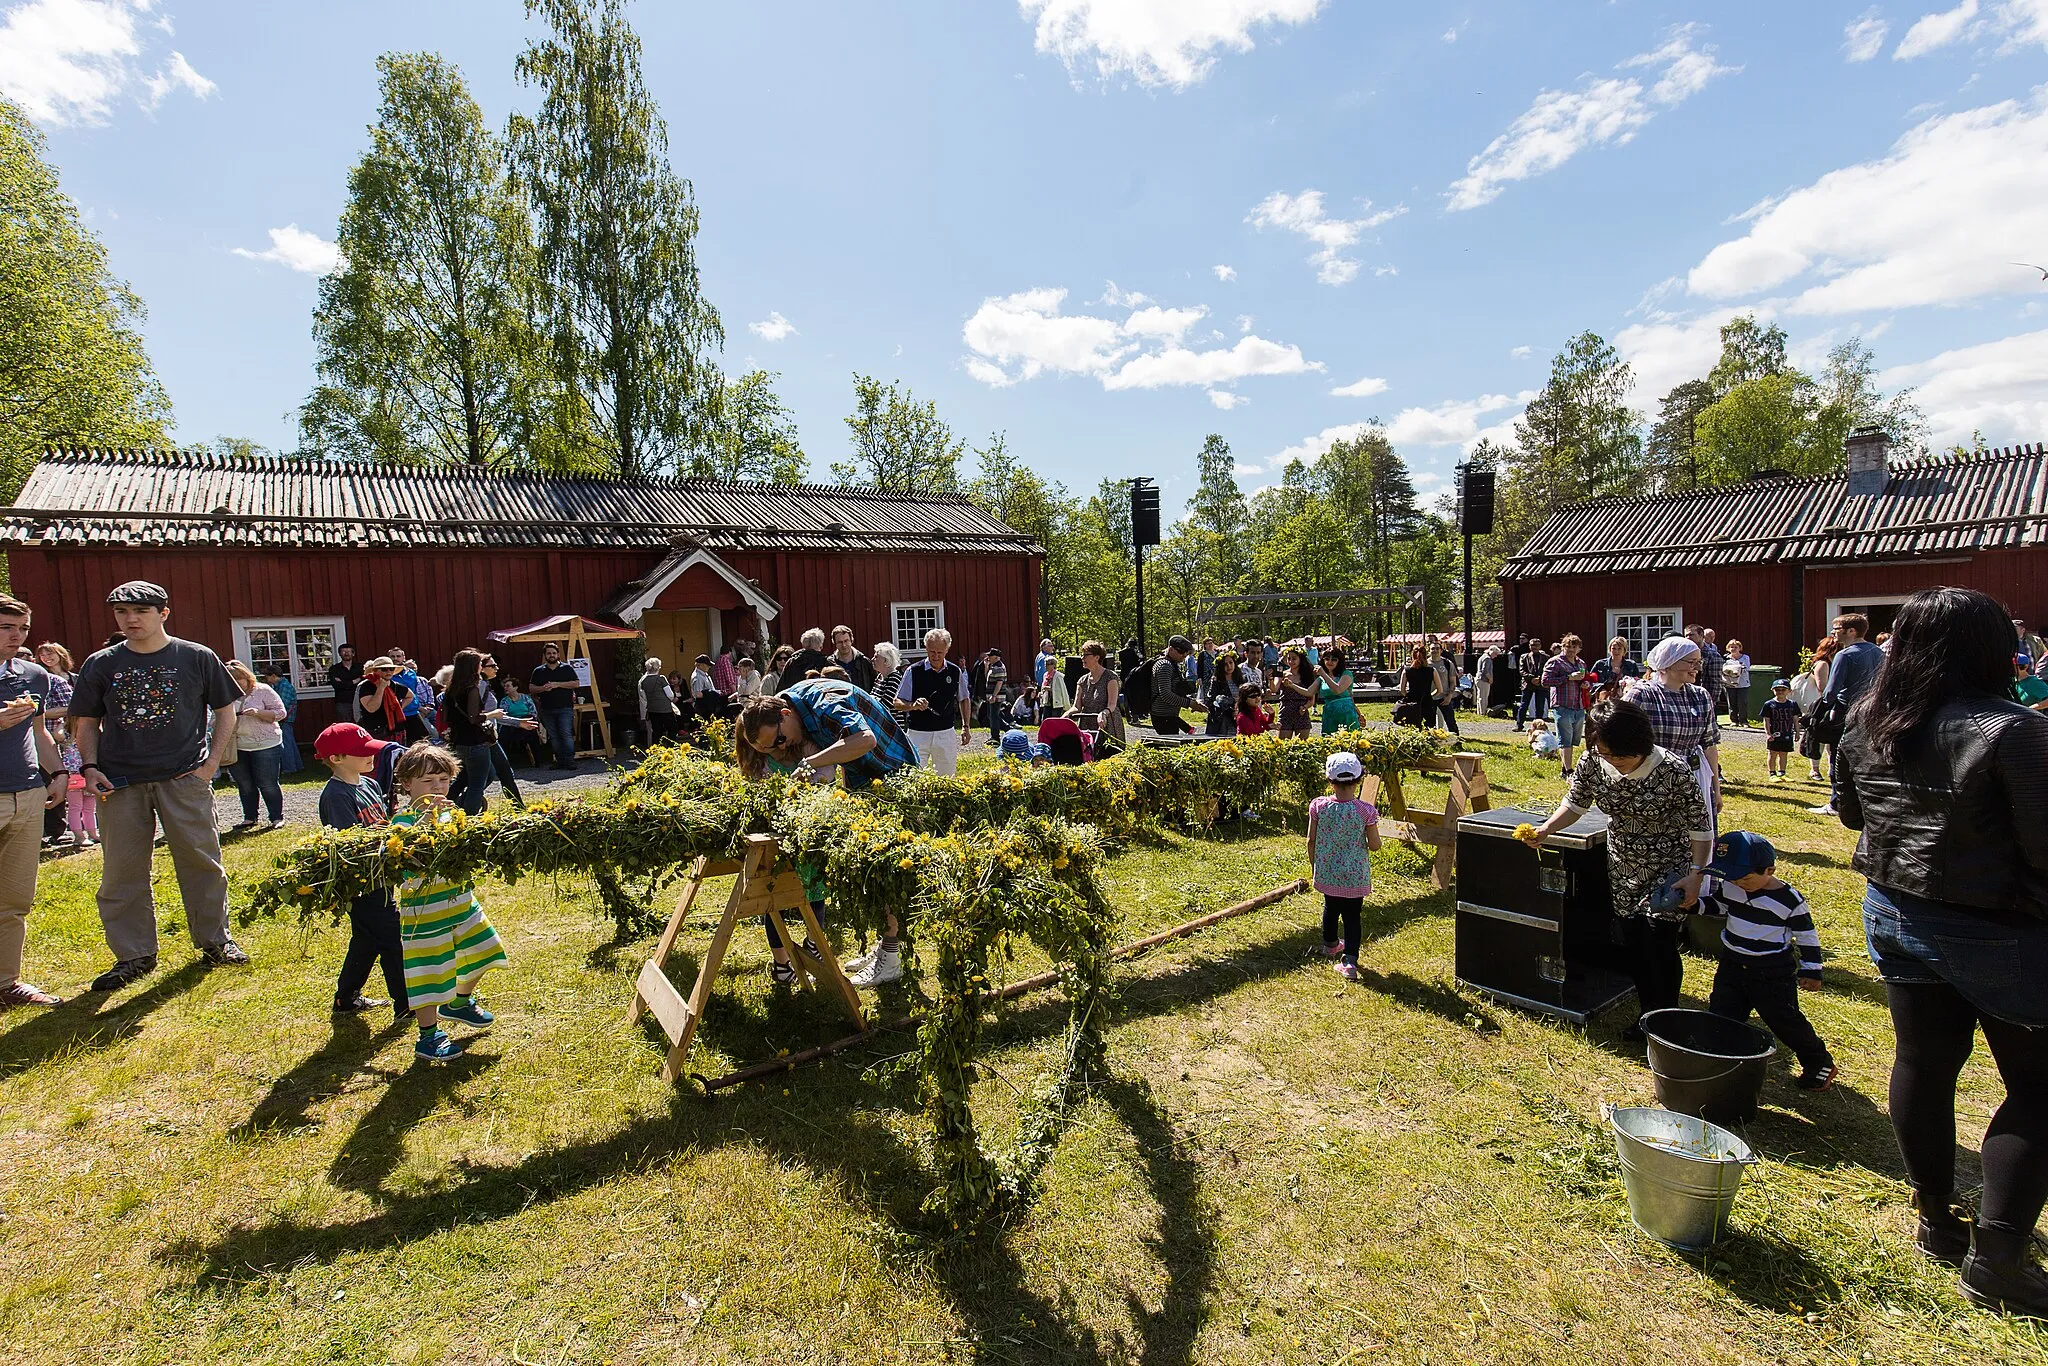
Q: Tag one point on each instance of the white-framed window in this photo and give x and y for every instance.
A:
(1641, 627)
(301, 647)
(910, 620)
(1879, 607)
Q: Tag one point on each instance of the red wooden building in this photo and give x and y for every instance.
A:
(1771, 561)
(285, 559)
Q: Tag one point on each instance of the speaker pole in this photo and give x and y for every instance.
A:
(1465, 525)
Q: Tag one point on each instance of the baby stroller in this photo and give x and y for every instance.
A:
(1070, 744)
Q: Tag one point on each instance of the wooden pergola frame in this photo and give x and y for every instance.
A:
(574, 633)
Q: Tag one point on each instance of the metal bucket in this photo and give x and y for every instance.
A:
(1706, 1064)
(1681, 1174)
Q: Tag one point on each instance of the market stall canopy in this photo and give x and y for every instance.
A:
(558, 628)
(1480, 639)
(1318, 642)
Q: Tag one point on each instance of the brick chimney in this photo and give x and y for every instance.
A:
(1864, 453)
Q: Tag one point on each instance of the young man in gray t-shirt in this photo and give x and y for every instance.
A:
(150, 716)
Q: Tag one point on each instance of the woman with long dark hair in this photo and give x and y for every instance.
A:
(472, 730)
(1947, 778)
(1297, 688)
(1333, 690)
(1418, 690)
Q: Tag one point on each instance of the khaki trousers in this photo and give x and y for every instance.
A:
(128, 821)
(21, 851)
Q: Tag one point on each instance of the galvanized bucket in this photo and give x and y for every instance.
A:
(1681, 1174)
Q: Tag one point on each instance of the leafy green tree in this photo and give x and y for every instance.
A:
(1671, 448)
(1218, 507)
(1749, 350)
(1371, 493)
(756, 436)
(1177, 578)
(1850, 398)
(1309, 553)
(1014, 495)
(617, 228)
(1579, 438)
(72, 366)
(1767, 423)
(426, 348)
(900, 446)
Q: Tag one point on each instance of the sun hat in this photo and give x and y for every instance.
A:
(1016, 745)
(346, 737)
(381, 662)
(1343, 767)
(1781, 682)
(1040, 750)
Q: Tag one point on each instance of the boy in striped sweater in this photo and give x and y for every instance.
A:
(1769, 950)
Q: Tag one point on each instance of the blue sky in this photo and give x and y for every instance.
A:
(1109, 227)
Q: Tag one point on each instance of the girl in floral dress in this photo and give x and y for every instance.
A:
(1341, 831)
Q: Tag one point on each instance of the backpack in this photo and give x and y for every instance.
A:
(1137, 689)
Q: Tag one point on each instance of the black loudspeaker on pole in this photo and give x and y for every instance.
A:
(1144, 532)
(1475, 518)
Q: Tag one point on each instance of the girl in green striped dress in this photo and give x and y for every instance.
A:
(447, 941)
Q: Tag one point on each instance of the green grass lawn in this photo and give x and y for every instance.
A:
(1282, 1167)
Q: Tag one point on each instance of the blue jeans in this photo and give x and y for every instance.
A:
(560, 724)
(255, 773)
(1996, 965)
(478, 767)
(1571, 726)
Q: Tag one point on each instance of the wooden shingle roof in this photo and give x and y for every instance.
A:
(1997, 501)
(198, 498)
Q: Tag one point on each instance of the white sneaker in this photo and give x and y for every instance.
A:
(1824, 809)
(885, 966)
(850, 966)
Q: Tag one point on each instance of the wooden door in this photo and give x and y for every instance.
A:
(677, 638)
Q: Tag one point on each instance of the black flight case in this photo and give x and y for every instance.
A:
(1535, 926)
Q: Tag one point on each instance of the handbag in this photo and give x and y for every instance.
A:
(1829, 716)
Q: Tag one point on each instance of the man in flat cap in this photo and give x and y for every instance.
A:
(150, 715)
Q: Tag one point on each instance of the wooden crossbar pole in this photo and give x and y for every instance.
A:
(1043, 979)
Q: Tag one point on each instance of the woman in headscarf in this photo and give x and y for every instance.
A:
(1681, 715)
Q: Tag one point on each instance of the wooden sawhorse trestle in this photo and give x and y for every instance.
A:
(763, 888)
(1468, 793)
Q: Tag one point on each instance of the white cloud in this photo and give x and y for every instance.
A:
(1170, 324)
(1669, 351)
(1560, 124)
(1244, 322)
(1451, 34)
(1160, 42)
(1226, 400)
(1934, 31)
(67, 61)
(1178, 365)
(773, 328)
(1310, 448)
(293, 247)
(1863, 38)
(1364, 388)
(1304, 213)
(1934, 221)
(1454, 422)
(1225, 273)
(1021, 336)
(1999, 388)
(1118, 298)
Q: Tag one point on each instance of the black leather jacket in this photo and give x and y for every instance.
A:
(1961, 814)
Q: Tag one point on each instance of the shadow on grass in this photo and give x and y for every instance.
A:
(1837, 1127)
(88, 1022)
(317, 1077)
(1767, 1271)
(376, 1145)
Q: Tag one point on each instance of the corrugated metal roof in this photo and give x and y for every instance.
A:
(1997, 501)
(198, 498)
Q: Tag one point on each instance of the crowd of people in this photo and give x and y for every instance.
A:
(1936, 740)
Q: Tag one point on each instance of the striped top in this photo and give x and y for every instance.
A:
(1763, 923)
(432, 899)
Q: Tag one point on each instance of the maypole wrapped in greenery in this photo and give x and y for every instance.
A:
(970, 865)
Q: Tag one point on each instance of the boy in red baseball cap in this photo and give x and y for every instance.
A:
(351, 798)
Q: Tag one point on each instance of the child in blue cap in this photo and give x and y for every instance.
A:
(1015, 745)
(1770, 951)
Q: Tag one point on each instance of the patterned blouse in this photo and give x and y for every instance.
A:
(1654, 815)
(1342, 867)
(1681, 719)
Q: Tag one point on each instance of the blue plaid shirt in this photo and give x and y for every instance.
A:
(830, 709)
